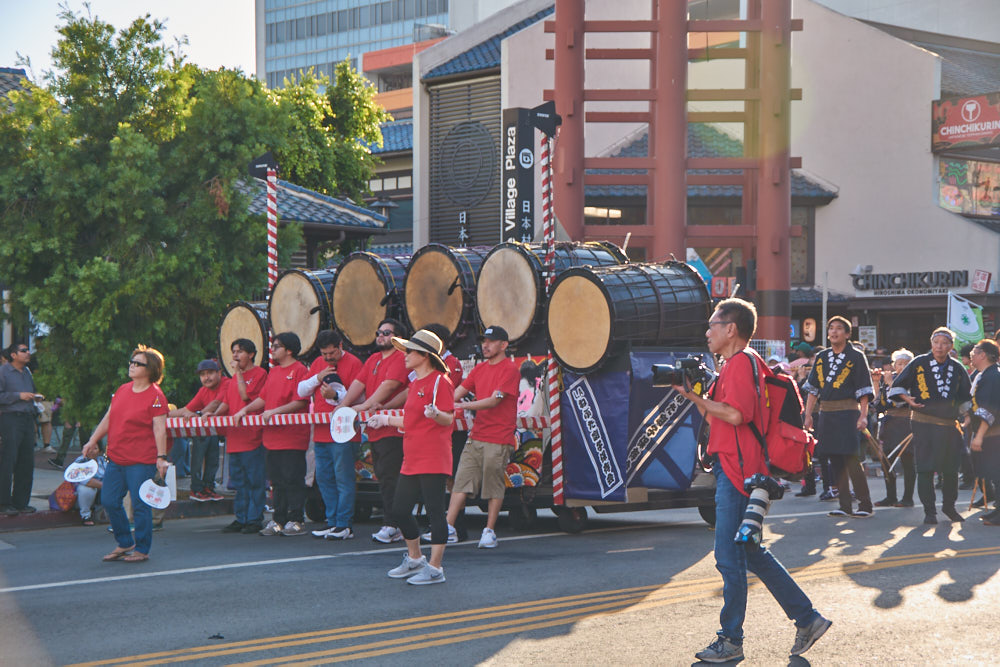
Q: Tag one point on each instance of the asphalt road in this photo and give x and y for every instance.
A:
(633, 588)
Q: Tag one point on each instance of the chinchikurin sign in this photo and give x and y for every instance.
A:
(965, 122)
(910, 283)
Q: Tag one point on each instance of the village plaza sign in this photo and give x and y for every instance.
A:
(909, 283)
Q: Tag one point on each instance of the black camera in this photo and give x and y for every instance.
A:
(691, 369)
(762, 489)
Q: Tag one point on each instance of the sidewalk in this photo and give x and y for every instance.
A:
(48, 478)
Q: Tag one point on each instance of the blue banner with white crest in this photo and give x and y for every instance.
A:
(595, 433)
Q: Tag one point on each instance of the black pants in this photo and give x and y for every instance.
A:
(909, 476)
(938, 449)
(17, 461)
(286, 468)
(204, 462)
(387, 459)
(848, 467)
(409, 490)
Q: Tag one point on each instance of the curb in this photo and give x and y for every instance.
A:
(44, 519)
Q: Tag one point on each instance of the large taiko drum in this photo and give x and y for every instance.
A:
(368, 288)
(593, 312)
(243, 319)
(441, 287)
(300, 303)
(510, 291)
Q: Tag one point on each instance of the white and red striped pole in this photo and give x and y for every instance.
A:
(549, 236)
(272, 240)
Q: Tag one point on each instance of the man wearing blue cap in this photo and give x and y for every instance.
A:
(205, 449)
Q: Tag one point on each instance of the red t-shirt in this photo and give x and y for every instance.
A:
(244, 438)
(427, 444)
(282, 387)
(206, 396)
(378, 369)
(347, 368)
(130, 424)
(455, 373)
(497, 424)
(734, 387)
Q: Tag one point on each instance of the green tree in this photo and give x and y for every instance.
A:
(123, 201)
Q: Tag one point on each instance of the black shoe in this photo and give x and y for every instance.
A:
(979, 503)
(886, 502)
(9, 510)
(25, 510)
(252, 528)
(952, 514)
(904, 503)
(966, 484)
(805, 492)
(930, 519)
(56, 463)
(234, 527)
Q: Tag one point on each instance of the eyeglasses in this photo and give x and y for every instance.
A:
(133, 362)
(384, 332)
(277, 346)
(23, 349)
(713, 323)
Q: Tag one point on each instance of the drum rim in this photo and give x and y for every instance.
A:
(242, 303)
(541, 303)
(324, 315)
(382, 269)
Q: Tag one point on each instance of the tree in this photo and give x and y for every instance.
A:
(121, 206)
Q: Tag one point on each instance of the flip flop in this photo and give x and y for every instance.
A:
(118, 554)
(136, 557)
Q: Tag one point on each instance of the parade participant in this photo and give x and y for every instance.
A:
(205, 448)
(985, 417)
(334, 461)
(935, 386)
(244, 443)
(494, 383)
(17, 431)
(427, 426)
(733, 403)
(285, 445)
(136, 426)
(895, 428)
(383, 376)
(841, 382)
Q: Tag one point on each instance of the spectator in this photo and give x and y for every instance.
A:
(895, 428)
(985, 410)
(86, 492)
(205, 448)
(17, 431)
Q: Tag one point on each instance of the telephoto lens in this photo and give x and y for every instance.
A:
(763, 489)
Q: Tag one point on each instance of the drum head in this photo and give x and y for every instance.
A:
(243, 320)
(579, 322)
(507, 292)
(433, 291)
(358, 297)
(295, 306)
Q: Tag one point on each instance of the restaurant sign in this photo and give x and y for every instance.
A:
(910, 283)
(965, 122)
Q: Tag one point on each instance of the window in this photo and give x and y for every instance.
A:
(401, 217)
(405, 182)
(375, 185)
(389, 183)
(300, 28)
(407, 9)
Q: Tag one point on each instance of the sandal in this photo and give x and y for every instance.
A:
(118, 554)
(136, 557)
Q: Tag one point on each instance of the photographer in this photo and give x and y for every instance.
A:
(732, 403)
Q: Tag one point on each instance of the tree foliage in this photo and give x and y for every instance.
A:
(123, 198)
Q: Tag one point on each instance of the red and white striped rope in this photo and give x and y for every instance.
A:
(180, 427)
(272, 240)
(549, 236)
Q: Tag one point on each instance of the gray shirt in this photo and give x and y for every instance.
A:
(12, 383)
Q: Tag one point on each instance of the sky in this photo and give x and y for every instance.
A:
(220, 33)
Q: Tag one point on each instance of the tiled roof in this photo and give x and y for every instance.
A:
(813, 295)
(965, 72)
(485, 55)
(391, 249)
(397, 137)
(10, 79)
(703, 141)
(300, 204)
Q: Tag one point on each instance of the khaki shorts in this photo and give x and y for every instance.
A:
(481, 469)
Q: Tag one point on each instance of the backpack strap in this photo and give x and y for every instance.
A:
(760, 404)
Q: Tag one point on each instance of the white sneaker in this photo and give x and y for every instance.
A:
(323, 533)
(293, 528)
(452, 535)
(408, 567)
(272, 528)
(342, 534)
(488, 540)
(428, 575)
(388, 535)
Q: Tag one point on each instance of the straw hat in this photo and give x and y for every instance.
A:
(423, 341)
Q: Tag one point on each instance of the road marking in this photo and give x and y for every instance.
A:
(627, 551)
(6, 545)
(516, 617)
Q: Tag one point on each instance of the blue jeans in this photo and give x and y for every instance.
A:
(246, 475)
(204, 451)
(335, 478)
(179, 456)
(733, 560)
(119, 480)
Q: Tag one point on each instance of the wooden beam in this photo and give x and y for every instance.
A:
(716, 53)
(721, 94)
(617, 116)
(618, 95)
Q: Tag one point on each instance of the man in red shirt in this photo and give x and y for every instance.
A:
(494, 383)
(329, 375)
(383, 376)
(243, 443)
(205, 449)
(286, 445)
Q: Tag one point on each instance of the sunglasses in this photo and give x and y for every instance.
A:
(133, 362)
(384, 332)
(23, 349)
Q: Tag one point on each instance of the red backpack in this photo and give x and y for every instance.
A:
(788, 448)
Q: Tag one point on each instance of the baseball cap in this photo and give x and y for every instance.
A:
(496, 333)
(803, 347)
(208, 365)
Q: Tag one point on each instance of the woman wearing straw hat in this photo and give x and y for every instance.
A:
(426, 423)
(136, 426)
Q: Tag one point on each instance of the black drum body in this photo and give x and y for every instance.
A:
(441, 287)
(243, 319)
(368, 288)
(300, 303)
(593, 312)
(510, 291)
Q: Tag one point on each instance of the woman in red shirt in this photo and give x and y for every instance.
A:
(427, 426)
(136, 426)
